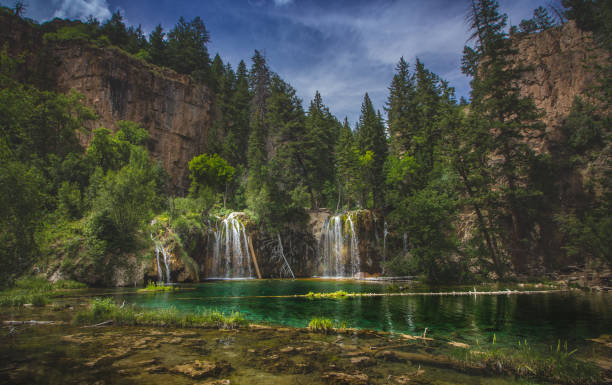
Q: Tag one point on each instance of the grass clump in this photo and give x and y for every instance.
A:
(36, 291)
(153, 287)
(324, 325)
(334, 295)
(555, 363)
(104, 309)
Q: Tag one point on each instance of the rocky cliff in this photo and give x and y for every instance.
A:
(561, 65)
(175, 110)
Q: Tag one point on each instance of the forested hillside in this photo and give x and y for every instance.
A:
(482, 189)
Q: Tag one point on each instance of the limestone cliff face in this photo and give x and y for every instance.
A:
(175, 110)
(561, 66)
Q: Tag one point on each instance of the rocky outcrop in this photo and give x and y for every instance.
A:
(176, 111)
(560, 63)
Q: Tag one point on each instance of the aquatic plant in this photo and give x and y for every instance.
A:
(105, 310)
(324, 325)
(336, 294)
(153, 287)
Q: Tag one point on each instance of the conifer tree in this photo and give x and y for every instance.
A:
(401, 109)
(157, 46)
(371, 138)
(241, 101)
(318, 149)
(506, 116)
(346, 165)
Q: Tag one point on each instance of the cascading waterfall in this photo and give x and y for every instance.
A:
(166, 262)
(160, 276)
(159, 248)
(231, 256)
(339, 247)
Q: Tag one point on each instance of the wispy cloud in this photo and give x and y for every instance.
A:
(282, 2)
(82, 9)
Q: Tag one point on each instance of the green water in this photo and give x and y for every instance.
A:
(543, 318)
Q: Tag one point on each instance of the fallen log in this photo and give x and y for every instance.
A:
(104, 323)
(30, 322)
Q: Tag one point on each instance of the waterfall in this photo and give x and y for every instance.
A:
(231, 256)
(160, 248)
(339, 247)
(166, 262)
(160, 276)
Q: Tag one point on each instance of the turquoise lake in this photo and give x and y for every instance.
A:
(540, 318)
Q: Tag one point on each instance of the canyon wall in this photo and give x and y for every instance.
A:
(176, 111)
(561, 65)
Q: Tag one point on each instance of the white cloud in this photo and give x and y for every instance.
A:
(282, 2)
(82, 9)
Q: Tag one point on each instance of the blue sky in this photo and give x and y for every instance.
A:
(343, 48)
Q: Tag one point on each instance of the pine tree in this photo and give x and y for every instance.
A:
(318, 149)
(507, 117)
(241, 101)
(259, 84)
(157, 46)
(187, 51)
(400, 109)
(371, 138)
(346, 165)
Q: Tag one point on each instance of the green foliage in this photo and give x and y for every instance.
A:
(372, 145)
(585, 127)
(186, 48)
(21, 202)
(125, 202)
(210, 172)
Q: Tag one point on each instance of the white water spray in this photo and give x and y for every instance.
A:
(231, 256)
(339, 247)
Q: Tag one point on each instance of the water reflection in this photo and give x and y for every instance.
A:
(570, 316)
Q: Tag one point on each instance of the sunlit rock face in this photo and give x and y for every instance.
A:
(176, 111)
(561, 66)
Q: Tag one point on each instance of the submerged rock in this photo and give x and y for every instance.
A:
(339, 378)
(388, 355)
(362, 361)
(199, 369)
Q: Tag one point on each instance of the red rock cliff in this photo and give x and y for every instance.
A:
(561, 62)
(175, 110)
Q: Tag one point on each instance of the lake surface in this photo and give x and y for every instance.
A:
(546, 318)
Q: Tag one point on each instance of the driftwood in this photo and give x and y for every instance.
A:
(31, 322)
(254, 258)
(108, 322)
